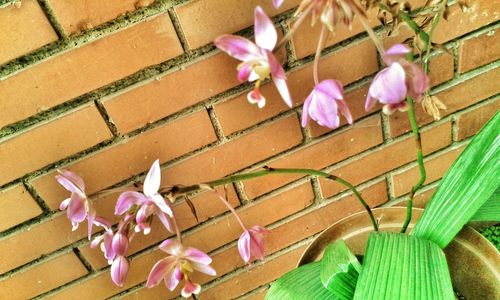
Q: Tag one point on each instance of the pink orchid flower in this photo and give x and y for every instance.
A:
(251, 243)
(258, 60)
(324, 103)
(277, 3)
(400, 79)
(176, 267)
(119, 270)
(78, 207)
(150, 202)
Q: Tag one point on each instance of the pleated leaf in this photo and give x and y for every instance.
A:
(303, 283)
(399, 266)
(490, 211)
(469, 182)
(339, 270)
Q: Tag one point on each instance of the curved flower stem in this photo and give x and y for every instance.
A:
(435, 22)
(321, 41)
(231, 208)
(420, 160)
(268, 170)
(176, 227)
(372, 35)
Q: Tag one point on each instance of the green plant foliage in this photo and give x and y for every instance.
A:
(492, 233)
(467, 185)
(490, 211)
(303, 283)
(399, 266)
(340, 270)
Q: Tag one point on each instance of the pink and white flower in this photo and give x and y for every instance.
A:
(324, 104)
(177, 267)
(258, 60)
(277, 3)
(149, 203)
(251, 243)
(398, 80)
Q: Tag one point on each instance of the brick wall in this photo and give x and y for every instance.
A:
(105, 87)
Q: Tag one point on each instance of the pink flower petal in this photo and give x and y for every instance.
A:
(389, 85)
(324, 110)
(160, 270)
(395, 53)
(265, 33)
(418, 81)
(196, 255)
(277, 3)
(74, 179)
(64, 204)
(76, 209)
(119, 270)
(96, 241)
(244, 246)
(255, 96)
(164, 220)
(344, 109)
(162, 205)
(305, 110)
(127, 199)
(153, 180)
(332, 88)
(172, 247)
(370, 102)
(190, 288)
(244, 71)
(204, 269)
(237, 47)
(90, 221)
(107, 246)
(120, 244)
(283, 90)
(172, 277)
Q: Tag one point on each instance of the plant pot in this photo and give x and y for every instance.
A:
(474, 262)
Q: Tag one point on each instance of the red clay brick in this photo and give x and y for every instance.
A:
(347, 65)
(18, 206)
(82, 70)
(42, 277)
(177, 90)
(207, 206)
(23, 29)
(225, 17)
(386, 158)
(206, 238)
(455, 98)
(237, 154)
(441, 68)
(470, 122)
(479, 51)
(120, 161)
(480, 13)
(73, 15)
(402, 182)
(319, 155)
(86, 128)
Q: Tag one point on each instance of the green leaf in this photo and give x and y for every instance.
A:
(339, 270)
(470, 181)
(303, 283)
(490, 211)
(399, 266)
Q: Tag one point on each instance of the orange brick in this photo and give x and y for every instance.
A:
(386, 158)
(441, 68)
(254, 277)
(206, 238)
(260, 294)
(455, 98)
(347, 65)
(237, 154)
(471, 122)
(23, 29)
(18, 206)
(42, 277)
(82, 70)
(479, 14)
(207, 206)
(479, 50)
(435, 167)
(280, 237)
(73, 15)
(121, 161)
(177, 90)
(319, 155)
(52, 142)
(225, 17)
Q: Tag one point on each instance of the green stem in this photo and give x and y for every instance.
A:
(414, 26)
(420, 160)
(268, 171)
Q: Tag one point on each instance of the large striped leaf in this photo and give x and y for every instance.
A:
(339, 270)
(490, 211)
(470, 181)
(399, 266)
(303, 283)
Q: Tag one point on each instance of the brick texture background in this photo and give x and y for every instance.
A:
(105, 87)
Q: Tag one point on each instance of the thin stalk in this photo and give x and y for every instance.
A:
(294, 28)
(435, 22)
(231, 208)
(321, 41)
(372, 35)
(176, 227)
(420, 160)
(268, 171)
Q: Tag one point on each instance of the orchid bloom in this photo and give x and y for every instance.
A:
(258, 60)
(400, 79)
(150, 202)
(277, 3)
(324, 103)
(78, 205)
(176, 267)
(251, 243)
